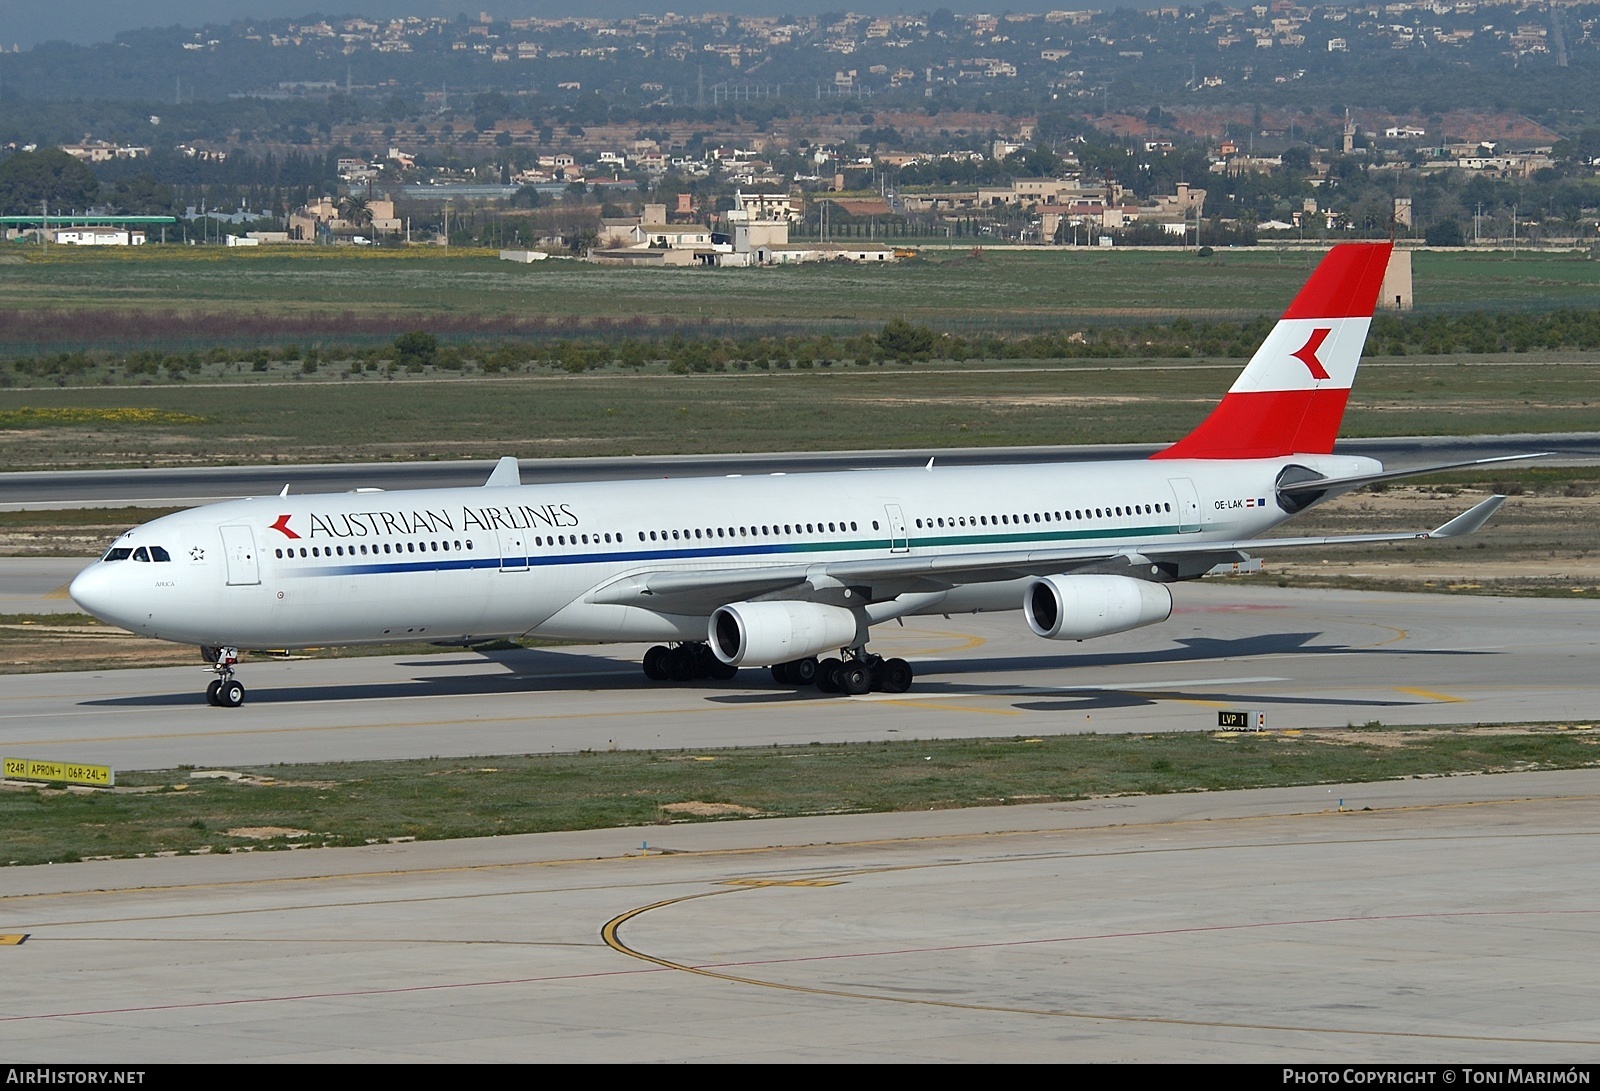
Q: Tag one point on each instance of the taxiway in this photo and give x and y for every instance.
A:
(1307, 658)
(1448, 919)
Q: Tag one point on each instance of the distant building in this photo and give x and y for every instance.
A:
(321, 220)
(797, 253)
(95, 236)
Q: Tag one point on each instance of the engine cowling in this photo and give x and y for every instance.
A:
(763, 633)
(1080, 607)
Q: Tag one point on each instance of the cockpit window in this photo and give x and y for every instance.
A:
(141, 554)
(157, 553)
(118, 554)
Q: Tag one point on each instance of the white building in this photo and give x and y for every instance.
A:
(96, 236)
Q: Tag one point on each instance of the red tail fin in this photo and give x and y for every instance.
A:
(1291, 397)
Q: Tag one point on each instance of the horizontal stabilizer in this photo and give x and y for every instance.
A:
(1469, 521)
(506, 472)
(1328, 484)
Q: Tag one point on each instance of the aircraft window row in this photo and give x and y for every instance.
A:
(1064, 516)
(142, 553)
(363, 551)
(763, 531)
(574, 539)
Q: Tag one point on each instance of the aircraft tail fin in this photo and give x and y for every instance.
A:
(1290, 398)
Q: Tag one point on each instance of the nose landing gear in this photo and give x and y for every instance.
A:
(225, 691)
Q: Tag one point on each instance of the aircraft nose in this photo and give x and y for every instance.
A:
(92, 589)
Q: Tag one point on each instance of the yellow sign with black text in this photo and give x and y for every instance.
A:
(60, 772)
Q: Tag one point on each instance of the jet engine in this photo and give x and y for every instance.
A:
(763, 633)
(1080, 607)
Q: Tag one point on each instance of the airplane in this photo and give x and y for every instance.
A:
(789, 572)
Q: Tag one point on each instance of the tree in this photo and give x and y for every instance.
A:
(141, 195)
(29, 178)
(900, 340)
(355, 210)
(416, 349)
(1444, 233)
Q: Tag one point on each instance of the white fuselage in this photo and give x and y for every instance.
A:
(464, 565)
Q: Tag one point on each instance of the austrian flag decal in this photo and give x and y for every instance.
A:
(282, 526)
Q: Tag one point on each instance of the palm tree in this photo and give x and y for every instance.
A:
(356, 211)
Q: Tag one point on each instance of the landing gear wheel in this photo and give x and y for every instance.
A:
(723, 672)
(230, 694)
(780, 674)
(854, 679)
(706, 663)
(828, 675)
(679, 664)
(211, 692)
(804, 671)
(655, 667)
(895, 675)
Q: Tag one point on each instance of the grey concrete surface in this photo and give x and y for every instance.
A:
(38, 585)
(181, 486)
(1308, 658)
(1437, 920)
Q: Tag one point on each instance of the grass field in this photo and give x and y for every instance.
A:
(845, 407)
(999, 290)
(366, 802)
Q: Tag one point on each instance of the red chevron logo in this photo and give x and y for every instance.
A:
(282, 526)
(1307, 353)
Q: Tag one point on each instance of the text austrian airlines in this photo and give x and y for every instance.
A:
(774, 571)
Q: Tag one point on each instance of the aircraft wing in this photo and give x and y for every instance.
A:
(703, 590)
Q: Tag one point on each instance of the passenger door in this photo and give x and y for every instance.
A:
(1188, 509)
(899, 541)
(513, 550)
(239, 550)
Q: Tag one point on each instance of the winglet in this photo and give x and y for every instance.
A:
(1470, 520)
(929, 466)
(285, 491)
(506, 472)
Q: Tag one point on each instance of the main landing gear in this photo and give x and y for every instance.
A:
(685, 663)
(857, 673)
(225, 691)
